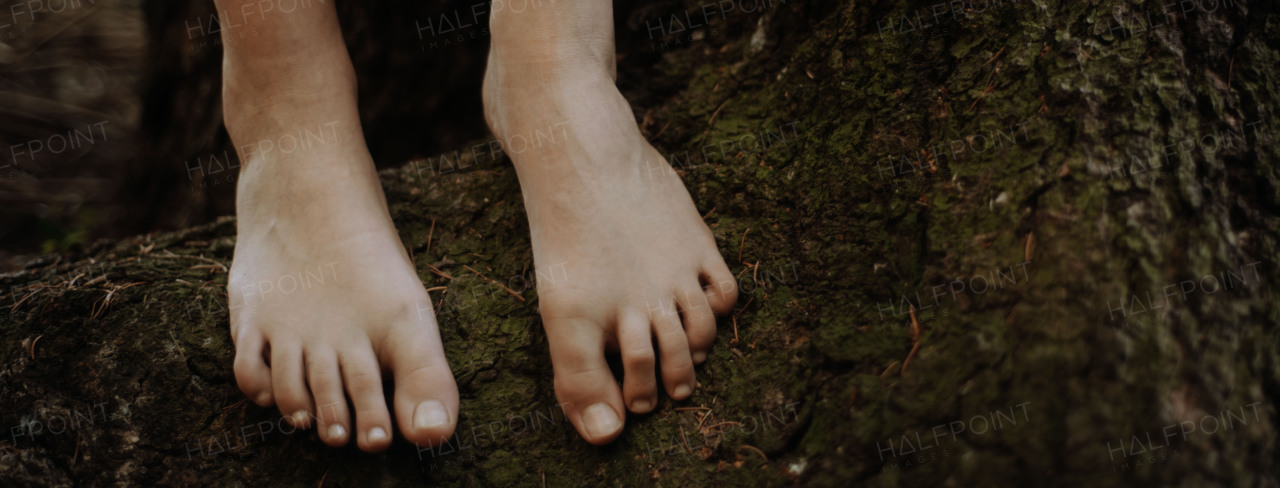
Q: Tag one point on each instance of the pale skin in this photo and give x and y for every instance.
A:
(626, 264)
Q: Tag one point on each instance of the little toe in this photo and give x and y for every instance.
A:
(363, 379)
(289, 383)
(426, 395)
(325, 378)
(720, 286)
(584, 385)
(639, 383)
(699, 322)
(252, 373)
(677, 364)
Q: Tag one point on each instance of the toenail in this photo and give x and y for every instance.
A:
(263, 399)
(600, 420)
(336, 431)
(430, 414)
(681, 391)
(376, 434)
(699, 357)
(299, 418)
(641, 405)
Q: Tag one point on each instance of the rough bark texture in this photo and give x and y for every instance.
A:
(1064, 317)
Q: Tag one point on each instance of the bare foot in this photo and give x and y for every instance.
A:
(324, 300)
(624, 257)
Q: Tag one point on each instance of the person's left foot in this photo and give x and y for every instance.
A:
(623, 256)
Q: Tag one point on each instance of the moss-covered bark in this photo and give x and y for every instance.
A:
(1048, 184)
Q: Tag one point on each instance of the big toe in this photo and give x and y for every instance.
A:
(584, 384)
(426, 395)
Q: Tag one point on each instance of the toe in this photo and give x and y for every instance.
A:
(635, 341)
(333, 421)
(289, 383)
(584, 384)
(252, 374)
(699, 322)
(363, 379)
(720, 286)
(426, 396)
(673, 346)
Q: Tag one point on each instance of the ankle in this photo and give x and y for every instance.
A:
(567, 37)
(515, 96)
(316, 188)
(302, 144)
(294, 128)
(258, 105)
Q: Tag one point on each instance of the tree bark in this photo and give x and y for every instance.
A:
(979, 243)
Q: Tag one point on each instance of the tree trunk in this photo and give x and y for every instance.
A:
(979, 243)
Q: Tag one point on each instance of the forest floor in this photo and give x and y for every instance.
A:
(945, 280)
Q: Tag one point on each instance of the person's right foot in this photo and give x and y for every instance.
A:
(324, 300)
(323, 296)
